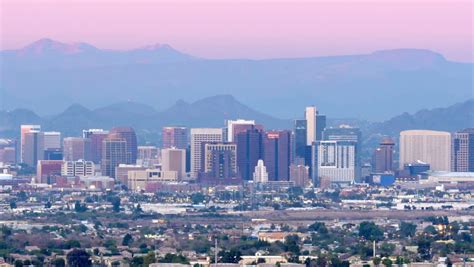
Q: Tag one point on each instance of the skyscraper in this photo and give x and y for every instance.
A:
(96, 136)
(174, 159)
(320, 126)
(200, 136)
(347, 133)
(300, 138)
(33, 147)
(249, 151)
(337, 161)
(148, 155)
(26, 129)
(310, 116)
(463, 151)
(52, 140)
(234, 127)
(130, 137)
(220, 160)
(277, 154)
(76, 148)
(176, 137)
(114, 152)
(382, 160)
(432, 147)
(260, 174)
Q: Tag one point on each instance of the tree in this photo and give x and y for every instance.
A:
(12, 204)
(407, 229)
(387, 262)
(58, 262)
(127, 239)
(78, 258)
(197, 198)
(79, 207)
(230, 256)
(149, 258)
(319, 227)
(115, 204)
(370, 231)
(424, 248)
(47, 205)
(173, 258)
(376, 261)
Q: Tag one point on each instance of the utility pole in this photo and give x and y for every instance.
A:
(374, 249)
(215, 253)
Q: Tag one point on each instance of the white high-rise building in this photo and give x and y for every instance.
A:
(198, 137)
(232, 123)
(260, 174)
(310, 116)
(174, 159)
(337, 161)
(432, 147)
(52, 140)
(78, 168)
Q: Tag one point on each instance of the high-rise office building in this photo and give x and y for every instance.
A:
(23, 130)
(148, 155)
(130, 137)
(235, 127)
(33, 147)
(260, 174)
(174, 159)
(310, 116)
(76, 148)
(320, 126)
(176, 137)
(462, 159)
(96, 136)
(220, 160)
(249, 151)
(346, 133)
(300, 139)
(52, 140)
(382, 160)
(277, 154)
(432, 147)
(114, 152)
(337, 161)
(200, 136)
(8, 151)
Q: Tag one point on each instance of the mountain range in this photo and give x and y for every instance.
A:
(213, 111)
(49, 76)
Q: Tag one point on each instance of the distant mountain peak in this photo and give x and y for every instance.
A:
(49, 46)
(408, 55)
(157, 46)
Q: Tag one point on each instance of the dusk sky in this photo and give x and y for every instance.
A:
(246, 29)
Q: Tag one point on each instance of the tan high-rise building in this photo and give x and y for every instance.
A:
(76, 148)
(174, 137)
(432, 147)
(174, 159)
(310, 116)
(24, 130)
(200, 136)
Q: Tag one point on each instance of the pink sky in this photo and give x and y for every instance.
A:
(250, 29)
